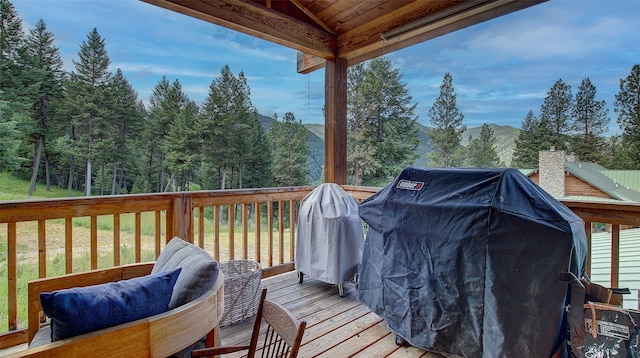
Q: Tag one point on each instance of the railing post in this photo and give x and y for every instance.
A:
(182, 219)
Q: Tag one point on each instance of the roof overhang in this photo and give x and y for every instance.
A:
(378, 27)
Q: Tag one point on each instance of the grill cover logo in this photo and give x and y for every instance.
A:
(410, 185)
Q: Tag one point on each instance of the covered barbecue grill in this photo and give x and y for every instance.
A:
(465, 262)
(330, 236)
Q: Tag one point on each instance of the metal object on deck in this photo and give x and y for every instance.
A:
(330, 236)
(465, 262)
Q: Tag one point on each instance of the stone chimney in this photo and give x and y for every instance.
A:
(551, 171)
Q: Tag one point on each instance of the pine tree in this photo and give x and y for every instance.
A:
(445, 136)
(44, 77)
(9, 137)
(11, 41)
(154, 133)
(361, 159)
(534, 136)
(614, 153)
(88, 104)
(227, 122)
(257, 171)
(627, 105)
(14, 109)
(481, 151)
(290, 151)
(183, 146)
(128, 123)
(589, 123)
(556, 112)
(245, 129)
(381, 131)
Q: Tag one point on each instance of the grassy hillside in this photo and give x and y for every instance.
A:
(17, 189)
(505, 140)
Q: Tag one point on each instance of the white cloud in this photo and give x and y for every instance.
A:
(169, 71)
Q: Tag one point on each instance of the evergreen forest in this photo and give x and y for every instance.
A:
(86, 129)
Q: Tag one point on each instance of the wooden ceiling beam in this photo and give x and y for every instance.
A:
(364, 43)
(258, 21)
(307, 63)
(312, 16)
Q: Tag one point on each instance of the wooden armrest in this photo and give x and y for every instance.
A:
(206, 352)
(94, 277)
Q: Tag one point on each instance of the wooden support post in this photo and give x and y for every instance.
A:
(587, 231)
(335, 129)
(182, 224)
(615, 255)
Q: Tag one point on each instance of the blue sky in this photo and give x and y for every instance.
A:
(501, 69)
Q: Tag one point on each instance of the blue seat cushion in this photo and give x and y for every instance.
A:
(82, 310)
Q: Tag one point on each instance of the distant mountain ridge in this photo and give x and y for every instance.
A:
(505, 144)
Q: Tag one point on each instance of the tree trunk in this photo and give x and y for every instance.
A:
(162, 176)
(122, 181)
(47, 174)
(149, 174)
(224, 179)
(36, 165)
(240, 175)
(102, 177)
(87, 180)
(71, 170)
(113, 181)
(169, 182)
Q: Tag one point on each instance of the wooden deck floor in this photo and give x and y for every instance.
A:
(337, 326)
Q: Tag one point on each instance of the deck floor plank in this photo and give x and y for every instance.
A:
(336, 326)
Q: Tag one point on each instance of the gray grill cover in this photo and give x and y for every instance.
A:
(465, 261)
(330, 235)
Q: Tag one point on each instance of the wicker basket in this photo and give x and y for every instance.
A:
(241, 290)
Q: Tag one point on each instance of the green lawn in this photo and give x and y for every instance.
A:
(17, 189)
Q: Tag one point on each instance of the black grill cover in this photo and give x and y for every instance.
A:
(465, 262)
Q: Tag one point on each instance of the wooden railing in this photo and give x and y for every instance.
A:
(41, 238)
(77, 234)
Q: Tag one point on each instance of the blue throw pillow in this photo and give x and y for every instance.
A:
(82, 310)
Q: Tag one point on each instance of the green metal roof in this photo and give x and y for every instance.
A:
(596, 175)
(628, 178)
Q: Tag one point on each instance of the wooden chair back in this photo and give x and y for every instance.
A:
(282, 338)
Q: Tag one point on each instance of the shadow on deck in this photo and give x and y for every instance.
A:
(336, 326)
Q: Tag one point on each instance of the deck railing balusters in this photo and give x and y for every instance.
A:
(116, 240)
(93, 245)
(179, 214)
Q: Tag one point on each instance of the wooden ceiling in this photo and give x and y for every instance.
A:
(353, 30)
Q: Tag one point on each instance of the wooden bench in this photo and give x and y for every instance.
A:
(157, 336)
